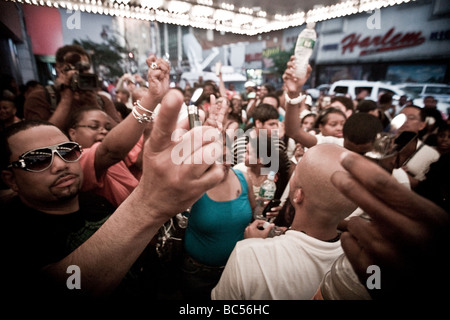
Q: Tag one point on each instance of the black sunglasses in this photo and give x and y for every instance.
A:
(41, 159)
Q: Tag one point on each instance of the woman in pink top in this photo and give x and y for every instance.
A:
(105, 148)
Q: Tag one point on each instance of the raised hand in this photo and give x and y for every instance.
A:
(172, 180)
(292, 84)
(406, 234)
(158, 77)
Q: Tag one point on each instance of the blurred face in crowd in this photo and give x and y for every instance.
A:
(263, 91)
(414, 121)
(429, 102)
(308, 122)
(443, 141)
(333, 125)
(7, 110)
(92, 127)
(208, 90)
(71, 59)
(270, 125)
(251, 158)
(236, 103)
(122, 96)
(270, 100)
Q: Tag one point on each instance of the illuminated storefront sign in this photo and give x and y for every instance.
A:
(390, 41)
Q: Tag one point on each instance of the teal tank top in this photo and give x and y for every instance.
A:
(215, 227)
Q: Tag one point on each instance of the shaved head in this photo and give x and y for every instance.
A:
(313, 176)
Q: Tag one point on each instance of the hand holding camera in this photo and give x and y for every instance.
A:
(75, 74)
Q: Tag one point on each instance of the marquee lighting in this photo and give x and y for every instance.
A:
(212, 14)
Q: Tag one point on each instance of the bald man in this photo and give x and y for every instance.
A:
(292, 265)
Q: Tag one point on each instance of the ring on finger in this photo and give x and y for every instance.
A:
(154, 66)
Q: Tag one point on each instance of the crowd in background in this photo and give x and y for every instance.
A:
(222, 217)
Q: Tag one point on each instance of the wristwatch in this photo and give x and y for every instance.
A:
(295, 100)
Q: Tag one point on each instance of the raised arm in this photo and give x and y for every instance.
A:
(166, 188)
(123, 137)
(293, 88)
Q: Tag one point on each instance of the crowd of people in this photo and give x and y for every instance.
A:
(90, 180)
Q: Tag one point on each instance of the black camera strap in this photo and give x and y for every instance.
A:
(52, 97)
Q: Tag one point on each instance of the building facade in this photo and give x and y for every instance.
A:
(407, 42)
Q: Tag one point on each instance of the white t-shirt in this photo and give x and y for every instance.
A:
(286, 267)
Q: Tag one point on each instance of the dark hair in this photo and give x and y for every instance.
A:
(323, 115)
(347, 102)
(264, 112)
(270, 88)
(32, 84)
(385, 98)
(273, 149)
(362, 128)
(76, 114)
(13, 129)
(443, 127)
(61, 53)
(122, 109)
(366, 106)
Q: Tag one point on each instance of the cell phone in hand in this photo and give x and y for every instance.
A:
(272, 203)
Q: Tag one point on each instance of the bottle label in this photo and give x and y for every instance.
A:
(307, 43)
(267, 194)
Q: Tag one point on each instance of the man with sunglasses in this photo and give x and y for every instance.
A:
(53, 103)
(52, 232)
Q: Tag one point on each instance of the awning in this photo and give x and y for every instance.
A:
(44, 27)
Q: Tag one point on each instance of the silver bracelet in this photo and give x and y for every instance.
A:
(141, 117)
(139, 105)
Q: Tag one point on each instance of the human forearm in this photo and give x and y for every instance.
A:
(62, 111)
(120, 140)
(106, 257)
(293, 88)
(126, 134)
(294, 129)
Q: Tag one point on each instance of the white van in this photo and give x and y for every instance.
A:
(418, 91)
(375, 88)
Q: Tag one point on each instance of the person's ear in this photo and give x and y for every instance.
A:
(422, 125)
(258, 124)
(10, 179)
(72, 133)
(299, 196)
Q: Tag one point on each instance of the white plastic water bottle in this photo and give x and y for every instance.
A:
(266, 192)
(304, 49)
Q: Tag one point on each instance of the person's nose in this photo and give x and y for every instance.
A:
(58, 163)
(102, 130)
